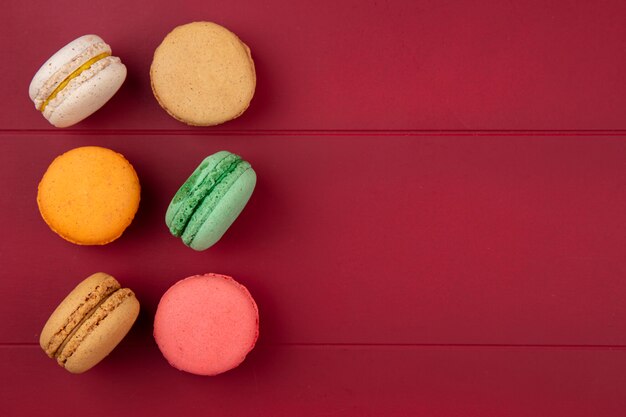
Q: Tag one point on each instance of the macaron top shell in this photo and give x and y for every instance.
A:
(89, 195)
(206, 324)
(202, 74)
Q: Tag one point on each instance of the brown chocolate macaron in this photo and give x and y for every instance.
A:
(202, 74)
(89, 323)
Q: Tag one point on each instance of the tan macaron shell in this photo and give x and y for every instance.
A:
(75, 308)
(202, 74)
(100, 333)
(89, 323)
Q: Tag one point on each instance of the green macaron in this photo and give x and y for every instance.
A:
(210, 200)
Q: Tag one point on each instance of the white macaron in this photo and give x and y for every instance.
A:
(76, 81)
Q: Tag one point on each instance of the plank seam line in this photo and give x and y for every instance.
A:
(423, 345)
(465, 345)
(315, 132)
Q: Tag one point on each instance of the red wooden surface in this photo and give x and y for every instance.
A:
(356, 64)
(397, 271)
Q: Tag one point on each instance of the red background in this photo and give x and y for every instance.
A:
(439, 226)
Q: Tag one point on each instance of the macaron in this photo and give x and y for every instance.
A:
(76, 81)
(89, 323)
(202, 74)
(206, 324)
(210, 200)
(89, 195)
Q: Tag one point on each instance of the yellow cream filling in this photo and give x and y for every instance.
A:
(73, 75)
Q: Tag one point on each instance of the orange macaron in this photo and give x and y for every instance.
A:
(89, 195)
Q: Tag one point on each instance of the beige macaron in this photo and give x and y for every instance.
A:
(202, 74)
(89, 323)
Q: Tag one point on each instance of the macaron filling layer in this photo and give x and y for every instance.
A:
(208, 204)
(90, 322)
(73, 75)
(81, 313)
(198, 188)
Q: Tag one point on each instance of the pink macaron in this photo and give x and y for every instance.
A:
(206, 324)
